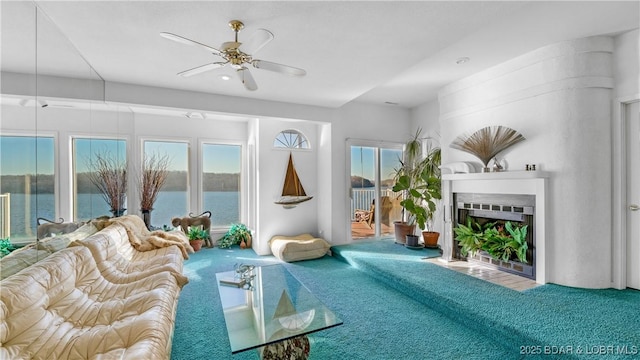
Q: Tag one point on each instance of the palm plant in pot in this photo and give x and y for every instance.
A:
(418, 182)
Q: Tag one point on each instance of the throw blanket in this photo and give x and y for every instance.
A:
(144, 240)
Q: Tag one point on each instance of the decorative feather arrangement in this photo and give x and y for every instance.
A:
(487, 142)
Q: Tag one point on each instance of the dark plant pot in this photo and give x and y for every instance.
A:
(196, 244)
(412, 240)
(146, 217)
(430, 239)
(118, 212)
(402, 229)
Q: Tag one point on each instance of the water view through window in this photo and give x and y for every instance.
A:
(173, 199)
(366, 162)
(27, 176)
(88, 200)
(221, 177)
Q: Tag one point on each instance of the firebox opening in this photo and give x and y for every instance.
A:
(498, 209)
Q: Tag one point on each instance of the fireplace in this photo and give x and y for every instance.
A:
(498, 209)
(519, 196)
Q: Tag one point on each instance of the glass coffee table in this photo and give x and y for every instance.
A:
(267, 308)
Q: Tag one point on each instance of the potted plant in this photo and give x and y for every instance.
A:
(196, 236)
(153, 176)
(238, 234)
(5, 247)
(506, 242)
(418, 182)
(109, 175)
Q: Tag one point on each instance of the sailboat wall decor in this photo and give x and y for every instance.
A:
(292, 191)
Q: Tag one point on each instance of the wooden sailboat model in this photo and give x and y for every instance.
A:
(292, 191)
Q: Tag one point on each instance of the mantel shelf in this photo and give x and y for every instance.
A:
(502, 175)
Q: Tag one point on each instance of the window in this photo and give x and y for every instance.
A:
(89, 202)
(221, 179)
(27, 175)
(291, 139)
(172, 200)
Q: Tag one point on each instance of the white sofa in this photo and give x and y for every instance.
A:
(100, 299)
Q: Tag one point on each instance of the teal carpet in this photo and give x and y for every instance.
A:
(397, 306)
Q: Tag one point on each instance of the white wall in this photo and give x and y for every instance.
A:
(626, 60)
(274, 219)
(427, 118)
(627, 77)
(558, 97)
(357, 121)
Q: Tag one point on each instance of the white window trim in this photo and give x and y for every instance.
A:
(56, 162)
(244, 171)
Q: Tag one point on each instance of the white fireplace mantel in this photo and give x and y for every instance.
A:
(507, 182)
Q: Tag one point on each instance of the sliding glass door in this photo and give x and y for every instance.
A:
(373, 206)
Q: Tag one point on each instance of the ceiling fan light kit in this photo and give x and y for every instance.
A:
(237, 55)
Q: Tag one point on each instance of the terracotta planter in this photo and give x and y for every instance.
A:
(402, 229)
(196, 244)
(430, 239)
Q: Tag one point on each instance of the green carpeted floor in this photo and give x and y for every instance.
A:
(396, 306)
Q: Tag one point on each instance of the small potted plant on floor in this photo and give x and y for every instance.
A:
(238, 234)
(418, 182)
(196, 236)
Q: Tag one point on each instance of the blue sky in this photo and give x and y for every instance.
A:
(18, 154)
(362, 162)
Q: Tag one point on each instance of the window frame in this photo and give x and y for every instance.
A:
(139, 156)
(72, 183)
(56, 162)
(244, 172)
(306, 138)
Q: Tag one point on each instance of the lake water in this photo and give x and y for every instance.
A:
(224, 207)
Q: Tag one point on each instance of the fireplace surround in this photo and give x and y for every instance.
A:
(511, 195)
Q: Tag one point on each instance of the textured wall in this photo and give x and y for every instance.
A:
(558, 97)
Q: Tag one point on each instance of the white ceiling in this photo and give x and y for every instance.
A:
(374, 52)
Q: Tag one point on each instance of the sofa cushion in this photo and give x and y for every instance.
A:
(119, 262)
(63, 308)
(59, 242)
(20, 259)
(296, 248)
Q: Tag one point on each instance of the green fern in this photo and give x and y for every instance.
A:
(234, 236)
(5, 247)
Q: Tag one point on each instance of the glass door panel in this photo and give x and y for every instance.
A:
(374, 206)
(363, 174)
(390, 209)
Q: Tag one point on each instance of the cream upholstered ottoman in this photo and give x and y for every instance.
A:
(300, 247)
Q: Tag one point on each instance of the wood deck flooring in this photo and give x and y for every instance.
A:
(361, 230)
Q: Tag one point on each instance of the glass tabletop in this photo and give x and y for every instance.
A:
(266, 304)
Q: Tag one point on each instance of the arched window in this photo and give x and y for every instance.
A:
(291, 139)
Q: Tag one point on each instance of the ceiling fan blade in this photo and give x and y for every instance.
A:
(284, 69)
(201, 69)
(257, 41)
(247, 79)
(184, 40)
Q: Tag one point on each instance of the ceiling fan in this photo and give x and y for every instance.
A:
(238, 55)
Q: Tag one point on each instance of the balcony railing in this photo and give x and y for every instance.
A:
(361, 199)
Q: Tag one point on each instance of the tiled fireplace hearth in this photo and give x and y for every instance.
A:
(516, 195)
